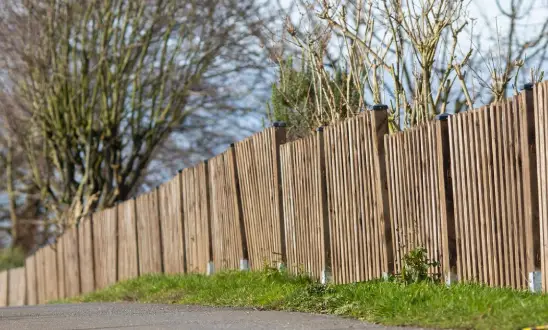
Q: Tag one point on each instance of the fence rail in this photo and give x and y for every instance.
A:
(349, 201)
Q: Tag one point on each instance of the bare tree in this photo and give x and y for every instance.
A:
(95, 88)
(421, 57)
(509, 49)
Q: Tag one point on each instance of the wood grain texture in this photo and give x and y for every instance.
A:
(71, 262)
(171, 221)
(416, 186)
(489, 158)
(40, 276)
(128, 267)
(541, 118)
(17, 287)
(260, 184)
(148, 232)
(226, 215)
(50, 273)
(304, 221)
(60, 259)
(85, 256)
(30, 278)
(196, 218)
(4, 288)
(354, 192)
(104, 247)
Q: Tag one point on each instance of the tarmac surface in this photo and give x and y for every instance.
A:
(152, 316)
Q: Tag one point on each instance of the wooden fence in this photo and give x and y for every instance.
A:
(260, 187)
(417, 193)
(349, 201)
(226, 212)
(305, 205)
(355, 187)
(491, 160)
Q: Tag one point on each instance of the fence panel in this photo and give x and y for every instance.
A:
(541, 136)
(104, 247)
(196, 218)
(4, 288)
(259, 180)
(50, 272)
(59, 258)
(304, 218)
(30, 277)
(85, 255)
(148, 232)
(172, 226)
(226, 229)
(491, 221)
(127, 241)
(40, 276)
(71, 262)
(17, 287)
(417, 197)
(360, 248)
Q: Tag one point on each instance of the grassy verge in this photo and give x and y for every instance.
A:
(423, 304)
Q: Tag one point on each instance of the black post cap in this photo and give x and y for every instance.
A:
(319, 129)
(443, 116)
(379, 107)
(279, 124)
(528, 87)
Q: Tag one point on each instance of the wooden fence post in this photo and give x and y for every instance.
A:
(280, 137)
(327, 274)
(379, 116)
(539, 165)
(449, 249)
(161, 241)
(244, 263)
(527, 124)
(210, 264)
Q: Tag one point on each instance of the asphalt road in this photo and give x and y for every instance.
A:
(137, 316)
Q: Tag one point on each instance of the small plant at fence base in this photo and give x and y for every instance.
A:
(416, 266)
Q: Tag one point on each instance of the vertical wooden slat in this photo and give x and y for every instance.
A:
(60, 259)
(85, 256)
(50, 273)
(486, 202)
(196, 218)
(4, 288)
(172, 226)
(41, 276)
(104, 247)
(148, 233)
(17, 287)
(30, 277)
(541, 119)
(71, 262)
(127, 241)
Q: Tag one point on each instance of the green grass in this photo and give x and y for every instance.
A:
(389, 303)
